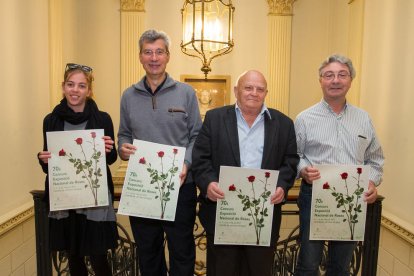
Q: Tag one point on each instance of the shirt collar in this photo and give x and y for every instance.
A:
(148, 88)
(264, 110)
(326, 105)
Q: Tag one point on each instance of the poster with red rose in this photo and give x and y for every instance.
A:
(338, 210)
(77, 169)
(244, 216)
(152, 181)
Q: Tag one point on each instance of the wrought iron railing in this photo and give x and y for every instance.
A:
(364, 259)
(123, 259)
(287, 252)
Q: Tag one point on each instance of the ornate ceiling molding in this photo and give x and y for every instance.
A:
(133, 5)
(281, 7)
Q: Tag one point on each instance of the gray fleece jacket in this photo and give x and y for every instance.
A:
(170, 116)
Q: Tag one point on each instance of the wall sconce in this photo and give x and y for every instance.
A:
(207, 30)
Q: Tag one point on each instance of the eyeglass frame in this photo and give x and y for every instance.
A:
(74, 66)
(158, 52)
(330, 75)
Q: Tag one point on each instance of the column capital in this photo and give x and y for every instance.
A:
(280, 7)
(133, 5)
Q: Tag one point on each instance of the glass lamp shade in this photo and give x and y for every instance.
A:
(207, 29)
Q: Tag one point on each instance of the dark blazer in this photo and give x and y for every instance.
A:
(217, 145)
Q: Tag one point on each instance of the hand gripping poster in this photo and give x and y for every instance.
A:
(77, 169)
(338, 209)
(152, 181)
(244, 216)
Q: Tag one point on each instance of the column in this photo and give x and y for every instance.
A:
(55, 51)
(132, 26)
(280, 39)
(355, 42)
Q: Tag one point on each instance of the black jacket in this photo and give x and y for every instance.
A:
(217, 145)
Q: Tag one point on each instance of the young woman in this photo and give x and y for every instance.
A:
(88, 231)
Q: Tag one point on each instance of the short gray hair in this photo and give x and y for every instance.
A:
(341, 59)
(153, 35)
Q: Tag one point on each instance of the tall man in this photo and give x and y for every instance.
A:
(250, 135)
(333, 132)
(161, 110)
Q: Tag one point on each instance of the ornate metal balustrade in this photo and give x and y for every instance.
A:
(122, 259)
(287, 252)
(365, 255)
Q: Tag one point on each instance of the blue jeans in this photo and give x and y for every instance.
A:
(310, 255)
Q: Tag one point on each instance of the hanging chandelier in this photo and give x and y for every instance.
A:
(207, 30)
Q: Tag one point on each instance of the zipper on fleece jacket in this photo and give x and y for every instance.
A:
(154, 102)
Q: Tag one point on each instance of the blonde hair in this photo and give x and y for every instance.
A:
(88, 75)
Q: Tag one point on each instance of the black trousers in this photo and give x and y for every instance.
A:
(149, 237)
(99, 265)
(240, 260)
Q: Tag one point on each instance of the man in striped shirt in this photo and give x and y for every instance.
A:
(333, 132)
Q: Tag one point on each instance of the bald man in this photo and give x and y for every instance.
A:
(248, 135)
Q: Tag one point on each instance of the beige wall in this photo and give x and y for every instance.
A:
(24, 96)
(91, 33)
(319, 29)
(396, 255)
(387, 94)
(18, 247)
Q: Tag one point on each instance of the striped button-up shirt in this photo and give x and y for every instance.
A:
(348, 138)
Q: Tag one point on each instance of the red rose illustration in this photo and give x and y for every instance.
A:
(349, 200)
(254, 202)
(251, 178)
(87, 167)
(163, 178)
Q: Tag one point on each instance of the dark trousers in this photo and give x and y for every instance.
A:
(240, 260)
(235, 260)
(149, 237)
(99, 265)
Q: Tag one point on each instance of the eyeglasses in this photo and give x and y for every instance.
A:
(73, 66)
(342, 75)
(157, 52)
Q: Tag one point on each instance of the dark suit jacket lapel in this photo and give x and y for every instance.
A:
(231, 130)
(271, 138)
